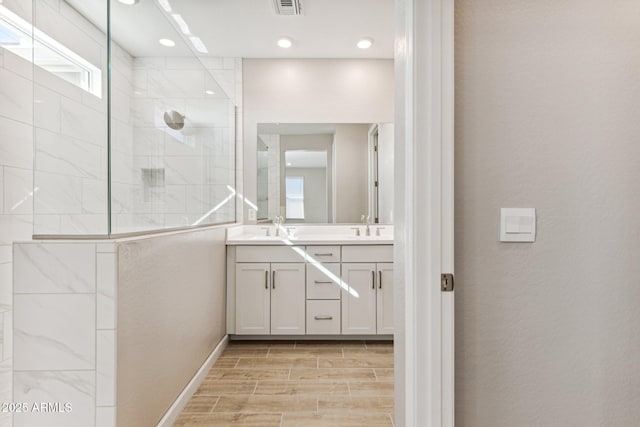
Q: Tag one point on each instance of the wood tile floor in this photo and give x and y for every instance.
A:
(291, 383)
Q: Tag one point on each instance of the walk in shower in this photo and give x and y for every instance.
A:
(134, 119)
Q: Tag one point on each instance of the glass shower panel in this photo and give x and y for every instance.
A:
(69, 53)
(172, 124)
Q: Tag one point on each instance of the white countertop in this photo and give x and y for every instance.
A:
(309, 235)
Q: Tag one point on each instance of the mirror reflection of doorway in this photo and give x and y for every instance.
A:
(381, 173)
(307, 185)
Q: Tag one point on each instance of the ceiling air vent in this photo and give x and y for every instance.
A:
(288, 7)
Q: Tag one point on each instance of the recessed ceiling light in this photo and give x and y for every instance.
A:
(288, 163)
(209, 92)
(365, 43)
(129, 2)
(167, 42)
(285, 42)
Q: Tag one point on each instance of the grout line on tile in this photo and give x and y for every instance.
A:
(255, 388)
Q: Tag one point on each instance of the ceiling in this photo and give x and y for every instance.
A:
(296, 128)
(250, 28)
(305, 159)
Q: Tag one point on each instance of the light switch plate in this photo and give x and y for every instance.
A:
(517, 225)
(251, 213)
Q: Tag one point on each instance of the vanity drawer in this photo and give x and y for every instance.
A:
(269, 253)
(323, 253)
(323, 281)
(367, 253)
(323, 317)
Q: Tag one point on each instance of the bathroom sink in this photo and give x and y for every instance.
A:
(308, 235)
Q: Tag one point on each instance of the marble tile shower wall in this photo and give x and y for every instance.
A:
(65, 333)
(71, 128)
(184, 176)
(16, 185)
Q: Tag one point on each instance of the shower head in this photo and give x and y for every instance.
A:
(174, 120)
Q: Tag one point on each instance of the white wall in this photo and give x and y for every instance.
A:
(315, 193)
(547, 117)
(311, 91)
(352, 172)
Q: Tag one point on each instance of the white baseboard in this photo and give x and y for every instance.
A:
(176, 408)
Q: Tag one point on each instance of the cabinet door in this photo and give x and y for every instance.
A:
(253, 283)
(385, 298)
(287, 299)
(358, 298)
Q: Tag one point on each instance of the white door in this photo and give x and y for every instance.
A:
(359, 298)
(423, 214)
(252, 298)
(288, 299)
(384, 298)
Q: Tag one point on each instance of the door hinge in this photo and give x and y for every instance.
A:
(446, 282)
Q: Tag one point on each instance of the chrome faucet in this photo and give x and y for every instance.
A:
(277, 222)
(365, 220)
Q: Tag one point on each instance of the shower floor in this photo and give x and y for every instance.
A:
(291, 383)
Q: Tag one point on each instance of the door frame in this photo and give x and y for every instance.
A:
(372, 170)
(424, 112)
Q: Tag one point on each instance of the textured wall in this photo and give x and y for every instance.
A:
(547, 117)
(171, 315)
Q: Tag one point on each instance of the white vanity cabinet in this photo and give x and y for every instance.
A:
(270, 296)
(317, 290)
(367, 295)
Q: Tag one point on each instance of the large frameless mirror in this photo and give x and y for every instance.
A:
(325, 172)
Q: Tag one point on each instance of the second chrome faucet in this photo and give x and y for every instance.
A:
(365, 221)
